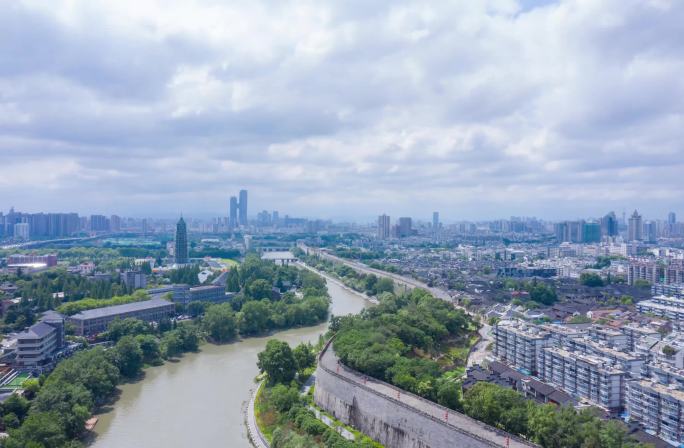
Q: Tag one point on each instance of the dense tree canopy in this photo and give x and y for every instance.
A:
(278, 362)
(398, 340)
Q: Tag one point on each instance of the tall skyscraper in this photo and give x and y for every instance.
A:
(233, 215)
(651, 231)
(609, 225)
(405, 227)
(671, 218)
(243, 208)
(383, 227)
(181, 242)
(435, 221)
(636, 227)
(591, 232)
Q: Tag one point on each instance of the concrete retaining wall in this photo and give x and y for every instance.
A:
(370, 407)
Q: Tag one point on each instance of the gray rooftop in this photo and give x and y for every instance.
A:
(120, 309)
(37, 331)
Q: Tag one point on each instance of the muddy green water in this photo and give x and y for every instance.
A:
(198, 401)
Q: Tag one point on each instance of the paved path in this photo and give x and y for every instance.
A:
(255, 436)
(480, 352)
(329, 361)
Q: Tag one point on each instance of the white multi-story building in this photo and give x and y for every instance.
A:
(636, 333)
(519, 344)
(659, 407)
(133, 280)
(629, 362)
(37, 344)
(670, 308)
(592, 378)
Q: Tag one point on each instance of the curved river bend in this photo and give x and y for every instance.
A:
(198, 400)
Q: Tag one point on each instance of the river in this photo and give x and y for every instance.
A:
(198, 400)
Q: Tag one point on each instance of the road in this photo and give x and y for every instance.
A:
(479, 352)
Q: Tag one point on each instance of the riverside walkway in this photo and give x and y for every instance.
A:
(491, 436)
(255, 436)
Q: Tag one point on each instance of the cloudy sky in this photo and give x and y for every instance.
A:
(478, 109)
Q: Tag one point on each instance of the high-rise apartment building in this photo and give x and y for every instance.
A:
(181, 242)
(435, 221)
(243, 208)
(115, 223)
(22, 231)
(591, 232)
(671, 218)
(383, 227)
(635, 227)
(570, 231)
(405, 227)
(233, 213)
(609, 225)
(99, 223)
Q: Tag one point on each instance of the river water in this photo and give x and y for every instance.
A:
(198, 400)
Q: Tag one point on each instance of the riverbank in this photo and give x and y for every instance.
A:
(338, 282)
(201, 400)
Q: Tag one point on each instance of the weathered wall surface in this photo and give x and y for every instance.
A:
(393, 418)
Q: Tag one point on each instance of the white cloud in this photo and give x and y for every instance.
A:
(479, 109)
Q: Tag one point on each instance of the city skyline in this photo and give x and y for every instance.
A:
(554, 109)
(426, 217)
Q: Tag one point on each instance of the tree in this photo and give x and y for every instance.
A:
(71, 402)
(384, 284)
(254, 317)
(31, 387)
(283, 397)
(259, 289)
(668, 350)
(40, 430)
(304, 356)
(196, 308)
(129, 356)
(145, 268)
(16, 405)
(591, 279)
(150, 348)
(492, 404)
(171, 344)
(188, 334)
(11, 420)
(219, 322)
(278, 362)
(233, 281)
(95, 369)
(641, 283)
(128, 326)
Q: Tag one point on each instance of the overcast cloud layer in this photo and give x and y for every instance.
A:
(353, 108)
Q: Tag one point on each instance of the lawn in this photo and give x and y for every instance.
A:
(17, 381)
(229, 262)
